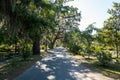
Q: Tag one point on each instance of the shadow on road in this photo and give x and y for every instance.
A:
(56, 66)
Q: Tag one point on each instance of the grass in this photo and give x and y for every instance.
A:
(112, 70)
(15, 67)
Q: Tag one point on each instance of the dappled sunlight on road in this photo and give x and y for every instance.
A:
(51, 77)
(60, 66)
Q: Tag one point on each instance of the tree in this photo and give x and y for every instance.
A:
(88, 38)
(72, 40)
(27, 19)
(112, 27)
(65, 17)
(31, 20)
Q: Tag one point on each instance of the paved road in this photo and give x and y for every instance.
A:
(60, 66)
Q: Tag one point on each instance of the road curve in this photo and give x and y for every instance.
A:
(60, 66)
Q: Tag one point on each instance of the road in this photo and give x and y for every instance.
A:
(59, 65)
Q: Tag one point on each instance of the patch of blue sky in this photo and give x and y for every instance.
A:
(93, 11)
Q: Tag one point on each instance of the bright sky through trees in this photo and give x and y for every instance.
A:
(93, 11)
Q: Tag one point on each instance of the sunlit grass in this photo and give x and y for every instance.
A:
(112, 70)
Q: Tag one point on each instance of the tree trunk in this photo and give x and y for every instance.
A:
(36, 47)
(7, 6)
(116, 42)
(52, 43)
(46, 45)
(117, 51)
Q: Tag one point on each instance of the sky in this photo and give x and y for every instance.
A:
(93, 11)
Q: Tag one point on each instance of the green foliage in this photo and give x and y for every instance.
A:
(13, 62)
(118, 60)
(74, 49)
(111, 29)
(42, 47)
(82, 53)
(104, 58)
(26, 54)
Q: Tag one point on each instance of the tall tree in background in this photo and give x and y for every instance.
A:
(66, 17)
(88, 38)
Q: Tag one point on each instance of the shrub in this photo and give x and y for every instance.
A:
(118, 60)
(13, 62)
(82, 53)
(75, 49)
(26, 54)
(104, 58)
(42, 47)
